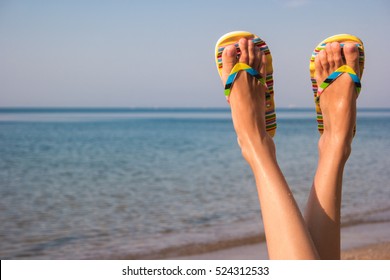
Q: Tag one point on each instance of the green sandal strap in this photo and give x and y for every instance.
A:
(233, 74)
(332, 77)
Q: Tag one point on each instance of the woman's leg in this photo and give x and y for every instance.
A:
(285, 229)
(338, 105)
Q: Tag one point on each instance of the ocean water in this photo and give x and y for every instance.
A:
(135, 183)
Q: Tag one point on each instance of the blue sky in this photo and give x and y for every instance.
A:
(161, 53)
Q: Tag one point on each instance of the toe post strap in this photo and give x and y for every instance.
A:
(233, 74)
(336, 74)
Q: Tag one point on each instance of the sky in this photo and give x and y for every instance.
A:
(155, 53)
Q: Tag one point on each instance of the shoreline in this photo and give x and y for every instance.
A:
(368, 241)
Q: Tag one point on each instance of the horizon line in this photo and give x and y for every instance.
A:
(13, 109)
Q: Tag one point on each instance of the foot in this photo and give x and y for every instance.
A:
(247, 98)
(338, 101)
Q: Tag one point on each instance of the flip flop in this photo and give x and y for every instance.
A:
(232, 38)
(319, 89)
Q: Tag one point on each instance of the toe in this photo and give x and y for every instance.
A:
(255, 56)
(229, 59)
(351, 54)
(251, 53)
(262, 63)
(322, 67)
(329, 57)
(318, 68)
(336, 51)
(323, 58)
(243, 45)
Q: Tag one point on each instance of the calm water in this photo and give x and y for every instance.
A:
(113, 183)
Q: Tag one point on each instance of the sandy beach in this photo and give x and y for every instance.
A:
(358, 242)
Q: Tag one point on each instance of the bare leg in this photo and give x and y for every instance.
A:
(338, 105)
(285, 228)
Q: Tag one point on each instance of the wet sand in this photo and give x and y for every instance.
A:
(358, 242)
(380, 251)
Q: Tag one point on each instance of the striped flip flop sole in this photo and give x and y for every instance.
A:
(232, 38)
(341, 38)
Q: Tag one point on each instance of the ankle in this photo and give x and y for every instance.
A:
(257, 149)
(338, 148)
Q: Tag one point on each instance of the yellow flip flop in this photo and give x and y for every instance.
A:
(232, 38)
(319, 89)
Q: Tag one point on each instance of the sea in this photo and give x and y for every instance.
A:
(136, 183)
